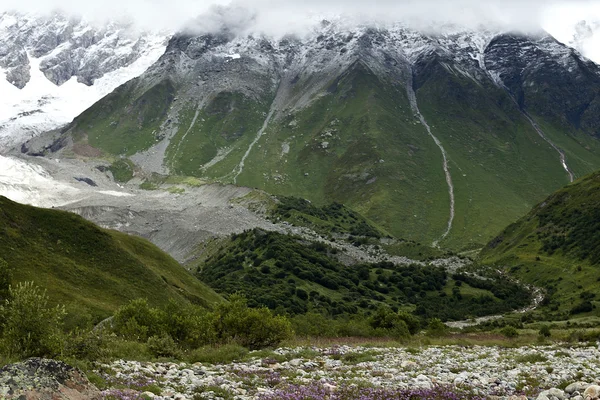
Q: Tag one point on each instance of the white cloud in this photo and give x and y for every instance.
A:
(559, 17)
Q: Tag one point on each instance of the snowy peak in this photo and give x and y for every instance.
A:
(52, 68)
(67, 47)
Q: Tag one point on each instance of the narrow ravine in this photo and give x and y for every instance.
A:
(240, 166)
(498, 82)
(189, 129)
(412, 98)
(561, 153)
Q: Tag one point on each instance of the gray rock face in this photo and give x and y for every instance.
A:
(66, 47)
(45, 379)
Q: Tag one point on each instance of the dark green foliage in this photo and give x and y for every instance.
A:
(436, 328)
(290, 275)
(5, 279)
(163, 346)
(510, 332)
(545, 331)
(250, 327)
(582, 307)
(333, 218)
(167, 330)
(30, 327)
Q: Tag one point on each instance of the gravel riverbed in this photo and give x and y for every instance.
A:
(537, 372)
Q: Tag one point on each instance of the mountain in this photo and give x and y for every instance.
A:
(90, 270)
(555, 246)
(442, 138)
(53, 67)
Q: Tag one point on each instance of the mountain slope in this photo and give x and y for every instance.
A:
(54, 67)
(556, 245)
(435, 137)
(90, 270)
(295, 276)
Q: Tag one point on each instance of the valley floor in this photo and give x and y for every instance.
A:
(319, 373)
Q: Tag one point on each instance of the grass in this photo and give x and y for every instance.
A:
(122, 170)
(358, 143)
(553, 247)
(125, 122)
(90, 270)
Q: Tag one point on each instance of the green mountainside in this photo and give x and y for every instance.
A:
(556, 247)
(91, 270)
(295, 276)
(362, 120)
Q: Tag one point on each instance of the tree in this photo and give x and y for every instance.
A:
(30, 327)
(5, 278)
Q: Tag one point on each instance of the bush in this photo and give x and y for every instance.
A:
(30, 327)
(509, 332)
(545, 331)
(5, 278)
(86, 346)
(137, 321)
(436, 328)
(163, 346)
(250, 327)
(190, 326)
(395, 324)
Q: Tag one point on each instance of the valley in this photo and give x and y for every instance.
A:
(359, 211)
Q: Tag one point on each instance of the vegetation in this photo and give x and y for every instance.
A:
(92, 271)
(292, 276)
(332, 219)
(555, 247)
(122, 170)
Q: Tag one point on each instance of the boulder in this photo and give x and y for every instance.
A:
(44, 379)
(592, 392)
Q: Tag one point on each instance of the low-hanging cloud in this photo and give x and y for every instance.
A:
(293, 16)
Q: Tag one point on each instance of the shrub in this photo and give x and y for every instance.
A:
(190, 326)
(509, 332)
(86, 346)
(163, 346)
(545, 331)
(436, 328)
(30, 327)
(250, 327)
(5, 278)
(137, 321)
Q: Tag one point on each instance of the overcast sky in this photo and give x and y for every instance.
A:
(278, 16)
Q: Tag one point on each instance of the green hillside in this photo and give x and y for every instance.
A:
(90, 270)
(296, 276)
(557, 247)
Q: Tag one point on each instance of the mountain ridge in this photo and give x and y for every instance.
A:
(332, 117)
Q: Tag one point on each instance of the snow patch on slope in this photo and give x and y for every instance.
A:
(115, 54)
(28, 183)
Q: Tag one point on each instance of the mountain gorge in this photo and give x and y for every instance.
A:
(441, 138)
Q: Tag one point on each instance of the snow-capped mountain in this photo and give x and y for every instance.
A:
(418, 130)
(53, 67)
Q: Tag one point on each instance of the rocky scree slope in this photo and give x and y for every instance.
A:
(436, 137)
(52, 67)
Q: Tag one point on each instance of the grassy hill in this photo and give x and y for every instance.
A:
(90, 270)
(295, 276)
(557, 247)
